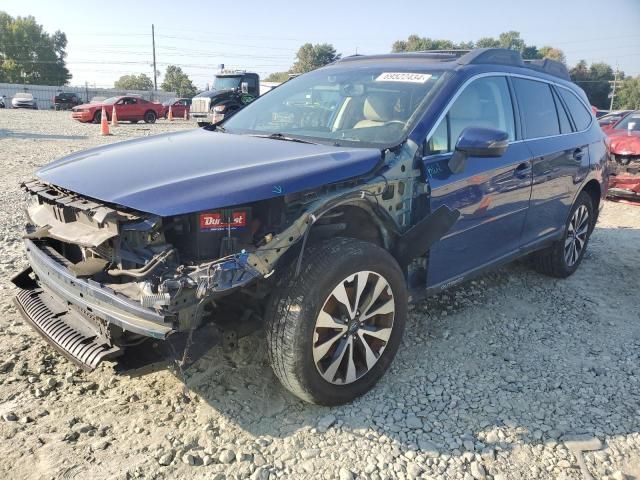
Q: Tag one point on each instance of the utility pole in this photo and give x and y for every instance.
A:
(155, 70)
(613, 89)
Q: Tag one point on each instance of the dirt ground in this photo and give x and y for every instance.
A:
(511, 376)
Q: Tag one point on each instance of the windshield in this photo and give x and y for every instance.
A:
(631, 118)
(358, 106)
(226, 83)
(110, 100)
(24, 96)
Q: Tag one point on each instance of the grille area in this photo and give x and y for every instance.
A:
(55, 325)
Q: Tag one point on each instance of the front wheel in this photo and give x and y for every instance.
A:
(563, 257)
(150, 117)
(333, 330)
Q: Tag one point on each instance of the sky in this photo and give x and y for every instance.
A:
(113, 38)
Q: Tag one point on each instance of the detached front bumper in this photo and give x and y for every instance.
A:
(73, 314)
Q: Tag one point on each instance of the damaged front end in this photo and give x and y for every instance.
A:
(624, 179)
(103, 278)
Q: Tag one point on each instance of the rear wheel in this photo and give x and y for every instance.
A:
(150, 117)
(203, 124)
(97, 117)
(564, 256)
(333, 330)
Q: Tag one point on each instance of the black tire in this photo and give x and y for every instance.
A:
(291, 313)
(150, 117)
(552, 261)
(97, 117)
(203, 124)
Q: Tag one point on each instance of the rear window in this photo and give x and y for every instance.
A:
(581, 116)
(537, 108)
(565, 124)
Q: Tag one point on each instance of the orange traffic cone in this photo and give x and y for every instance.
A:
(114, 117)
(186, 113)
(170, 116)
(104, 124)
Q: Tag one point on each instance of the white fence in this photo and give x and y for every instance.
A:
(43, 94)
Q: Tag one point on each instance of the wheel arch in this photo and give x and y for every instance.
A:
(592, 187)
(358, 220)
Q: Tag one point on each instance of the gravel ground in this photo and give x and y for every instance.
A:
(511, 376)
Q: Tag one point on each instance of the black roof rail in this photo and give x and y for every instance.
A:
(495, 56)
(552, 67)
(430, 55)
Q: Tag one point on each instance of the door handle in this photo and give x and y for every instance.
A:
(523, 170)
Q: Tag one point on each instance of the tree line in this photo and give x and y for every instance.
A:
(30, 55)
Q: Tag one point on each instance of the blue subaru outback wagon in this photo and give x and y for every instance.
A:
(318, 212)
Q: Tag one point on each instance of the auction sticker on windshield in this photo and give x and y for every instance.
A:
(403, 77)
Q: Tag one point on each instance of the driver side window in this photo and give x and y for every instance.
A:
(486, 102)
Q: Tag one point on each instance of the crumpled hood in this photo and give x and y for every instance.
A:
(624, 143)
(197, 170)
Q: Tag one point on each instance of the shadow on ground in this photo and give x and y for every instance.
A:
(4, 133)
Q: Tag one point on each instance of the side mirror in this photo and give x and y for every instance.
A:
(244, 87)
(478, 142)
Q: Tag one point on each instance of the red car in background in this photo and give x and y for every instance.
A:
(623, 142)
(608, 121)
(129, 107)
(178, 107)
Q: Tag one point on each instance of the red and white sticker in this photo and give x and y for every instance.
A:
(210, 222)
(407, 77)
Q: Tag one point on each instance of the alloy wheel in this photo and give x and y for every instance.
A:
(353, 327)
(577, 233)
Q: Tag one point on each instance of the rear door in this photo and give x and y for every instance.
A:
(492, 194)
(558, 158)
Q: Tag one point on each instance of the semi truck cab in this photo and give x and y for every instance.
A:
(232, 90)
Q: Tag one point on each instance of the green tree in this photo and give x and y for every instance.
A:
(310, 57)
(277, 77)
(594, 80)
(134, 82)
(628, 94)
(175, 80)
(510, 40)
(416, 43)
(28, 54)
(552, 53)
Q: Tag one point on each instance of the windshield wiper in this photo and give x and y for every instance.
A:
(280, 136)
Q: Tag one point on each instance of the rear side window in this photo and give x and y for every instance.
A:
(486, 102)
(537, 108)
(580, 114)
(565, 124)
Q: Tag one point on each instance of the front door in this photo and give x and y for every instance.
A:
(492, 194)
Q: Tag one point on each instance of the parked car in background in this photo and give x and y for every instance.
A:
(3, 101)
(623, 141)
(66, 100)
(610, 119)
(24, 100)
(128, 108)
(178, 107)
(320, 209)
